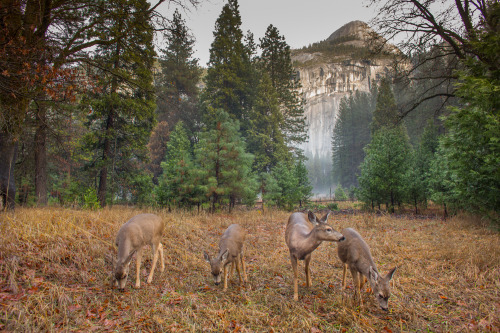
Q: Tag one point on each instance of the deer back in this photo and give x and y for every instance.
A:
(140, 230)
(355, 252)
(232, 240)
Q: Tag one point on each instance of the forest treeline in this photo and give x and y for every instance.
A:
(94, 114)
(114, 121)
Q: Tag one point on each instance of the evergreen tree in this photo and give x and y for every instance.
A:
(385, 168)
(224, 168)
(303, 184)
(229, 67)
(277, 62)
(264, 137)
(178, 161)
(180, 75)
(418, 182)
(385, 114)
(122, 116)
(350, 135)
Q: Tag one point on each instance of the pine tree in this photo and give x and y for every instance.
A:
(171, 189)
(122, 115)
(180, 74)
(224, 168)
(229, 67)
(350, 135)
(264, 137)
(385, 168)
(277, 62)
(385, 114)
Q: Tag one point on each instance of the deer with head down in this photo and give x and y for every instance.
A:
(303, 234)
(355, 254)
(230, 252)
(133, 236)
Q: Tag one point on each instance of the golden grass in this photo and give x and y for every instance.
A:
(55, 270)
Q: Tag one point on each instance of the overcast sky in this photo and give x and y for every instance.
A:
(302, 22)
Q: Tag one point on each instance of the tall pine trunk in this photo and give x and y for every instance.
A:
(8, 154)
(108, 135)
(106, 155)
(41, 156)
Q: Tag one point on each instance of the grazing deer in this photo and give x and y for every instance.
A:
(303, 235)
(139, 231)
(355, 253)
(230, 251)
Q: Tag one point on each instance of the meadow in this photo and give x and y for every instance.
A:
(56, 265)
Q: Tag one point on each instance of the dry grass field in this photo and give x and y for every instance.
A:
(55, 275)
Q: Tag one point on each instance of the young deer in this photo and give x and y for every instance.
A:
(230, 251)
(303, 236)
(139, 231)
(355, 253)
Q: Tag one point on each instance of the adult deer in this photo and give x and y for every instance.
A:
(355, 254)
(230, 251)
(303, 234)
(133, 236)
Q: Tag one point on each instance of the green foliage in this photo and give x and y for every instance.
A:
(180, 74)
(264, 137)
(276, 61)
(90, 200)
(385, 114)
(176, 167)
(340, 193)
(229, 67)
(224, 168)
(384, 170)
(350, 135)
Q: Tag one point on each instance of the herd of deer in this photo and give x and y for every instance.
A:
(303, 234)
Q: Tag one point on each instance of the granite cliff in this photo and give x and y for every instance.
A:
(330, 70)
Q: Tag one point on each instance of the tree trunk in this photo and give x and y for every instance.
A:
(8, 154)
(106, 154)
(41, 156)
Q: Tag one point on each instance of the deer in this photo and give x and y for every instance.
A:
(355, 254)
(230, 252)
(133, 236)
(303, 234)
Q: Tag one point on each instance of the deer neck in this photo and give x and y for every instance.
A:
(308, 244)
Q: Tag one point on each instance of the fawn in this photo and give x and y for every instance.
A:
(355, 254)
(139, 231)
(303, 234)
(230, 251)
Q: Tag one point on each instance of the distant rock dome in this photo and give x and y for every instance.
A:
(358, 29)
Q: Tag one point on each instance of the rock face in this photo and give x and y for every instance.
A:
(327, 76)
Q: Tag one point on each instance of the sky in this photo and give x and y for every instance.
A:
(301, 22)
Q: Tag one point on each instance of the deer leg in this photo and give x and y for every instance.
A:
(308, 271)
(362, 281)
(225, 278)
(231, 272)
(155, 259)
(295, 277)
(244, 268)
(160, 249)
(138, 268)
(355, 279)
(344, 273)
(238, 268)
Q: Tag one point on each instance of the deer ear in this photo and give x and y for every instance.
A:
(325, 218)
(224, 255)
(389, 275)
(312, 217)
(129, 258)
(372, 275)
(206, 256)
